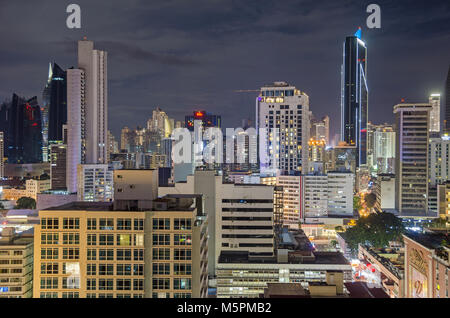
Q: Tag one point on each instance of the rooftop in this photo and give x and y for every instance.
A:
(285, 290)
(83, 206)
(243, 257)
(361, 290)
(431, 240)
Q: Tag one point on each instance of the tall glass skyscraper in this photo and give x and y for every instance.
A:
(354, 96)
(20, 121)
(55, 102)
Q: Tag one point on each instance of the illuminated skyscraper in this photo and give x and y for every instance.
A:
(435, 114)
(20, 121)
(55, 103)
(94, 64)
(207, 120)
(354, 96)
(87, 102)
(447, 102)
(411, 166)
(283, 110)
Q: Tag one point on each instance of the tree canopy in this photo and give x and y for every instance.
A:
(370, 200)
(357, 203)
(377, 230)
(25, 203)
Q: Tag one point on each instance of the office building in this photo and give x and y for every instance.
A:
(246, 222)
(58, 166)
(55, 103)
(122, 254)
(354, 96)
(435, 113)
(291, 198)
(340, 193)
(240, 216)
(384, 149)
(32, 188)
(95, 183)
(283, 111)
(439, 160)
(2, 155)
(16, 264)
(320, 130)
(20, 122)
(411, 158)
(240, 275)
(315, 196)
(327, 196)
(385, 193)
(207, 120)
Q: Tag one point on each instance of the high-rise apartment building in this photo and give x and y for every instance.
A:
(447, 103)
(411, 159)
(283, 111)
(160, 123)
(87, 102)
(354, 96)
(435, 113)
(94, 64)
(439, 160)
(76, 125)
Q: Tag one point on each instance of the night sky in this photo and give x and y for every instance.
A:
(183, 55)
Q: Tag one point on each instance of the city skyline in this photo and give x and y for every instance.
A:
(189, 62)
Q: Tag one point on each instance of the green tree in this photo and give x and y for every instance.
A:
(377, 230)
(357, 203)
(25, 203)
(339, 228)
(438, 223)
(370, 200)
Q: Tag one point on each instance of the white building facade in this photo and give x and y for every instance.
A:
(283, 107)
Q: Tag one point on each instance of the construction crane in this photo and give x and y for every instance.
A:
(246, 90)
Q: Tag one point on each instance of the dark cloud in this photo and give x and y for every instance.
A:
(184, 54)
